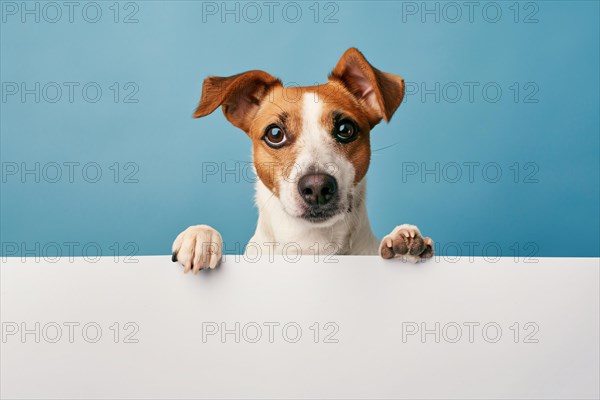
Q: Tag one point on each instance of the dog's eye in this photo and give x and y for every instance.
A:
(274, 136)
(345, 130)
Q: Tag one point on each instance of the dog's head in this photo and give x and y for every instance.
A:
(311, 144)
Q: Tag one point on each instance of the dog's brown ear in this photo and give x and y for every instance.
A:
(380, 92)
(239, 95)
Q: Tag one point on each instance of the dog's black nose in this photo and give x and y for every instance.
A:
(317, 189)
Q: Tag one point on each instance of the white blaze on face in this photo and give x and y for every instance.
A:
(318, 152)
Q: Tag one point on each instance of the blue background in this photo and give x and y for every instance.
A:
(169, 51)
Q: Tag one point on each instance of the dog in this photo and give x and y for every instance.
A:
(311, 153)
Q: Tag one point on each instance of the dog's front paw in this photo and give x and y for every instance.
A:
(406, 242)
(198, 247)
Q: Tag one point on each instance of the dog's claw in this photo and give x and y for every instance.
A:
(406, 243)
(174, 257)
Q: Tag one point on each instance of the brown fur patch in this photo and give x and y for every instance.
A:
(282, 106)
(338, 100)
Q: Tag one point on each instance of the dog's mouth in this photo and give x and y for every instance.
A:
(324, 213)
(318, 215)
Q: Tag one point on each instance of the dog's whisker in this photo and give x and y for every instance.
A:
(266, 202)
(385, 147)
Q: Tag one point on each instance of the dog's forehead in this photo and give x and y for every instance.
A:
(288, 101)
(291, 105)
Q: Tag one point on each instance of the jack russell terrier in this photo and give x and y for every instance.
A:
(311, 153)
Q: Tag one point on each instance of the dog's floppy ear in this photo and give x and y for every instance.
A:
(239, 95)
(380, 92)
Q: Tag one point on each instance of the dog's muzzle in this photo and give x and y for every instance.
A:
(320, 195)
